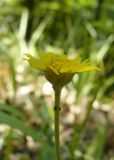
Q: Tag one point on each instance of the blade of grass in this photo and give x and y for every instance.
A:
(104, 48)
(38, 32)
(97, 146)
(18, 124)
(11, 109)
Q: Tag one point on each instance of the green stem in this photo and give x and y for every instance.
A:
(57, 110)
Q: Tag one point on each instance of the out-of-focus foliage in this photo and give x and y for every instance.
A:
(77, 28)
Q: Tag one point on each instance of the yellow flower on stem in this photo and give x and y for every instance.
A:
(57, 69)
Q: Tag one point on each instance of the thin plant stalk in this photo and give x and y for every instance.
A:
(56, 121)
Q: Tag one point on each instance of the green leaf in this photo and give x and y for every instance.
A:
(18, 124)
(12, 110)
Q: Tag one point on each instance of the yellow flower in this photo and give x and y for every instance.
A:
(59, 70)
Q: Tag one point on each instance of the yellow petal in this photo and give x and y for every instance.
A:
(34, 62)
(87, 68)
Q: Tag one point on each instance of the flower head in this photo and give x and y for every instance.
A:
(59, 70)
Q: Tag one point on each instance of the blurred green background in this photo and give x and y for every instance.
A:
(73, 27)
